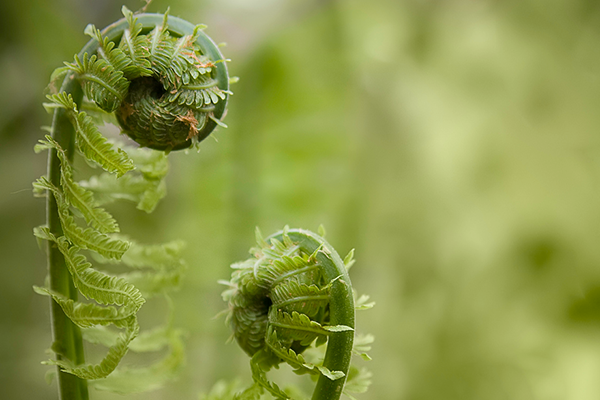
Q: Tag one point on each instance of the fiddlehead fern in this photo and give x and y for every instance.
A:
(168, 87)
(295, 291)
(166, 84)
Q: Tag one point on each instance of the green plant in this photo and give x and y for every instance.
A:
(292, 293)
(150, 66)
(165, 83)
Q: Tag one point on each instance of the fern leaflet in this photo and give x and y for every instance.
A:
(90, 141)
(102, 82)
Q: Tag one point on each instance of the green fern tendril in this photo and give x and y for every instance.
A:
(166, 83)
(294, 293)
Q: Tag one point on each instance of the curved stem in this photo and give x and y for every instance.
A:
(66, 336)
(339, 345)
(67, 341)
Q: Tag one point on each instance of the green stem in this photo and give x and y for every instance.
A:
(339, 345)
(67, 341)
(66, 336)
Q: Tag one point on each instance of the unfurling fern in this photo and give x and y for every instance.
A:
(166, 84)
(292, 293)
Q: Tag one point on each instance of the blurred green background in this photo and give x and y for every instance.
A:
(455, 144)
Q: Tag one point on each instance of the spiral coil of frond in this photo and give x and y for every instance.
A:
(168, 89)
(292, 293)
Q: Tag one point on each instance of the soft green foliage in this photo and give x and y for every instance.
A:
(144, 186)
(103, 288)
(223, 391)
(90, 141)
(358, 381)
(135, 380)
(280, 304)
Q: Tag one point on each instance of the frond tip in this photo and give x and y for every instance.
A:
(168, 88)
(282, 302)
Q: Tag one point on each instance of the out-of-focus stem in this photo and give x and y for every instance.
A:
(341, 308)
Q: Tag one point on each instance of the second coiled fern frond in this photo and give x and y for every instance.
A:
(293, 293)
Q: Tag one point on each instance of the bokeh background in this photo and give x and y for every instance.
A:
(455, 144)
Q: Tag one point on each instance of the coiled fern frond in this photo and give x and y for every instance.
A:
(165, 82)
(295, 292)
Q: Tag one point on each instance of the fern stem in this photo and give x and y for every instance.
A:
(339, 346)
(66, 336)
